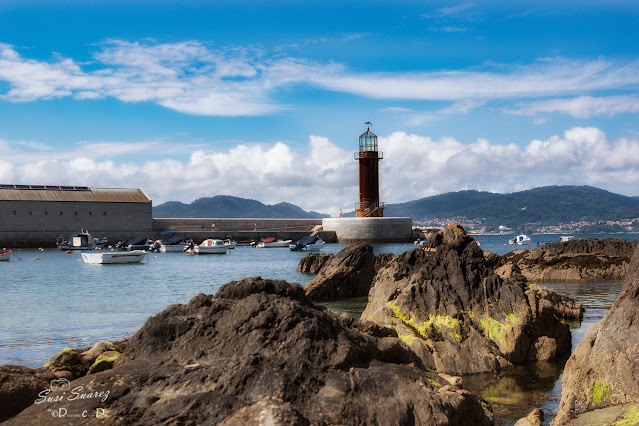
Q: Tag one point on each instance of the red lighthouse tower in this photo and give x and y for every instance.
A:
(368, 157)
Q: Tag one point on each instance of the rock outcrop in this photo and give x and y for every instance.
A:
(19, 387)
(460, 317)
(604, 368)
(312, 263)
(585, 259)
(261, 351)
(348, 274)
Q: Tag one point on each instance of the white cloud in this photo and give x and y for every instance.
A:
(323, 177)
(582, 106)
(194, 78)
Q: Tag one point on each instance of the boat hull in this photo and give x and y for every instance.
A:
(173, 248)
(115, 257)
(210, 250)
(5, 256)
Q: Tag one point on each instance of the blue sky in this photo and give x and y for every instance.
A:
(266, 100)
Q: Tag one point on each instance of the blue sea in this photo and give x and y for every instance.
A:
(50, 300)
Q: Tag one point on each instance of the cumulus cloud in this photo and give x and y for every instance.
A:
(582, 106)
(321, 176)
(193, 78)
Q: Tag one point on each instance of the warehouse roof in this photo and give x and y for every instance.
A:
(71, 193)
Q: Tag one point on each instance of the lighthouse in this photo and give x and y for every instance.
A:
(368, 158)
(370, 225)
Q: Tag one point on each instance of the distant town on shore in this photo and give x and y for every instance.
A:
(550, 209)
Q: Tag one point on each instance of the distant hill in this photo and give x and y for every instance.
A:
(227, 206)
(548, 205)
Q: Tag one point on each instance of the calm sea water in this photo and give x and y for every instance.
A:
(50, 300)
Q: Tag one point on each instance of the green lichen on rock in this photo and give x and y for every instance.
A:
(630, 417)
(600, 393)
(422, 329)
(104, 362)
(496, 330)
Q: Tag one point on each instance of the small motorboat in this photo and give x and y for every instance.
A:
(139, 243)
(80, 241)
(109, 257)
(169, 242)
(308, 243)
(5, 255)
(566, 238)
(211, 246)
(273, 243)
(230, 244)
(520, 240)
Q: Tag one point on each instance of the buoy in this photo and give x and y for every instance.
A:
(68, 252)
(36, 258)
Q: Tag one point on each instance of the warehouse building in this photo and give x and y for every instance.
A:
(38, 215)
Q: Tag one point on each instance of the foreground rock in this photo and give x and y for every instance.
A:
(260, 351)
(348, 274)
(460, 317)
(603, 369)
(585, 259)
(19, 387)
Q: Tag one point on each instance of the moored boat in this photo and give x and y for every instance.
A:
(211, 246)
(565, 238)
(110, 257)
(169, 242)
(273, 243)
(5, 255)
(139, 243)
(520, 240)
(80, 241)
(308, 243)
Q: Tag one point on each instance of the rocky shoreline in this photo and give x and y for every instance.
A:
(262, 349)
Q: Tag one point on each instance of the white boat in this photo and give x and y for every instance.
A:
(230, 244)
(273, 242)
(565, 238)
(308, 243)
(104, 257)
(211, 246)
(5, 255)
(520, 240)
(169, 242)
(80, 241)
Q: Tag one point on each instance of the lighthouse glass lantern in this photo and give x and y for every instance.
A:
(368, 157)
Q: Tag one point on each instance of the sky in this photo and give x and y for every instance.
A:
(266, 99)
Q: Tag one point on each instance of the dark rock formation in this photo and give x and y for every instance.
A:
(313, 262)
(260, 350)
(604, 368)
(348, 274)
(459, 316)
(585, 259)
(74, 363)
(383, 260)
(19, 387)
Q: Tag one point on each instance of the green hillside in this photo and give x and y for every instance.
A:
(227, 206)
(548, 205)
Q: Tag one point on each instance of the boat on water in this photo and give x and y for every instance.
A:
(244, 243)
(139, 243)
(169, 242)
(110, 257)
(230, 244)
(211, 246)
(5, 255)
(565, 238)
(273, 243)
(80, 241)
(308, 243)
(520, 240)
(419, 242)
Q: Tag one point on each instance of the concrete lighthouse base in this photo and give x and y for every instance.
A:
(370, 229)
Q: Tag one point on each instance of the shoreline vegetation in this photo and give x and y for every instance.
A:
(263, 347)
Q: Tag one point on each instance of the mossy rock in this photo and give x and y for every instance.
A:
(66, 357)
(104, 362)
